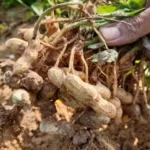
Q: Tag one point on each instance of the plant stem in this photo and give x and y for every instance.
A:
(36, 27)
(67, 29)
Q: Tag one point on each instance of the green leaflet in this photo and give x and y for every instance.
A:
(37, 8)
(136, 4)
(123, 8)
(95, 46)
(122, 13)
(108, 56)
(102, 9)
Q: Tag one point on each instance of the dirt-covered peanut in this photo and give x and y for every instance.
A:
(7, 65)
(79, 89)
(48, 91)
(16, 45)
(103, 91)
(27, 58)
(21, 97)
(81, 137)
(103, 107)
(118, 116)
(124, 96)
(26, 33)
(56, 76)
(86, 93)
(116, 102)
(91, 120)
(145, 111)
(70, 100)
(54, 127)
(132, 110)
(12, 80)
(32, 81)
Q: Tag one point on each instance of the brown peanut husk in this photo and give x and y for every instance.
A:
(103, 91)
(56, 76)
(18, 46)
(88, 95)
(124, 96)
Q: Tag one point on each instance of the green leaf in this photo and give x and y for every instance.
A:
(95, 46)
(51, 3)
(137, 4)
(28, 16)
(106, 9)
(122, 13)
(105, 56)
(95, 58)
(3, 28)
(37, 8)
(21, 2)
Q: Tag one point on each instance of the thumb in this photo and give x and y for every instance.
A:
(127, 31)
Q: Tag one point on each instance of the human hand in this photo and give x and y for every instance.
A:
(122, 33)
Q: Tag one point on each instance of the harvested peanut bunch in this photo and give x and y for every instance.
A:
(66, 69)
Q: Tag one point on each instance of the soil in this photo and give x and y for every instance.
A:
(19, 127)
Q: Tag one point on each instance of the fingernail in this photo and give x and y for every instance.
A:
(111, 33)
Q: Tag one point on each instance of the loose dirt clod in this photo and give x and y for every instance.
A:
(32, 81)
(133, 110)
(48, 91)
(81, 137)
(91, 120)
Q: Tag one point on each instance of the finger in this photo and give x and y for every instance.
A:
(147, 3)
(125, 33)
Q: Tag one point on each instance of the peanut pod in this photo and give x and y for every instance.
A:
(70, 100)
(88, 95)
(118, 116)
(56, 76)
(116, 102)
(77, 73)
(26, 33)
(29, 80)
(146, 111)
(21, 97)
(132, 110)
(16, 45)
(55, 127)
(103, 91)
(119, 112)
(28, 57)
(124, 96)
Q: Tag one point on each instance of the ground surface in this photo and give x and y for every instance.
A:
(19, 130)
